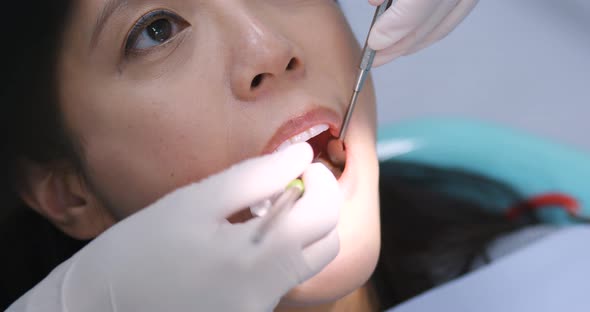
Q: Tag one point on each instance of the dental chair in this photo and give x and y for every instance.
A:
(530, 165)
(549, 275)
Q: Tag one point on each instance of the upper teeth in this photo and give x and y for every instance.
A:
(304, 136)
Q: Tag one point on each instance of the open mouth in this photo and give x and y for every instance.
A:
(327, 149)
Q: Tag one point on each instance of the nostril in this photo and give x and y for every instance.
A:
(293, 64)
(256, 81)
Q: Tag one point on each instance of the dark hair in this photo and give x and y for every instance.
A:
(428, 237)
(31, 131)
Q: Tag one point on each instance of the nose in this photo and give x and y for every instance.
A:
(264, 60)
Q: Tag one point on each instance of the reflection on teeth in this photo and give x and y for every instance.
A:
(303, 136)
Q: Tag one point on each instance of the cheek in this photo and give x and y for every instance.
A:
(335, 51)
(141, 143)
(135, 166)
(368, 107)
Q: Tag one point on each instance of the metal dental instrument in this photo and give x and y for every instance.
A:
(282, 204)
(295, 189)
(365, 67)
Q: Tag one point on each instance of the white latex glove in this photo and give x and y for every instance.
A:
(411, 25)
(180, 254)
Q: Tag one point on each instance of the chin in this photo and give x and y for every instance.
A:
(349, 271)
(359, 231)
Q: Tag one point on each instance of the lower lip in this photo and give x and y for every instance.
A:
(346, 180)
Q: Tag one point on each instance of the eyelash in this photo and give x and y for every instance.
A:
(146, 21)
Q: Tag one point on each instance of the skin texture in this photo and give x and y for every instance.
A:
(152, 122)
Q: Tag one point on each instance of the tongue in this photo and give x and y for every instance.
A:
(337, 152)
(319, 142)
(330, 152)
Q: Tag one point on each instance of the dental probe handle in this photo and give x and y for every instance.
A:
(369, 54)
(286, 200)
(365, 66)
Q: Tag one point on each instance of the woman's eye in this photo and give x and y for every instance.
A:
(153, 30)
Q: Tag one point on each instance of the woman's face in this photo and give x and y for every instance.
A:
(162, 93)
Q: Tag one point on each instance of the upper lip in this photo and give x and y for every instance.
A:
(312, 117)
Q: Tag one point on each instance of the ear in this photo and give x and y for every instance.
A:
(63, 198)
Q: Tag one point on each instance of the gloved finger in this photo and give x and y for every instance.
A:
(322, 252)
(416, 36)
(249, 182)
(447, 25)
(398, 21)
(384, 57)
(317, 212)
(442, 11)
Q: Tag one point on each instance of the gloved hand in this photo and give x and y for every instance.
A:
(181, 254)
(411, 25)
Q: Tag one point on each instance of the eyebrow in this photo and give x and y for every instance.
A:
(108, 10)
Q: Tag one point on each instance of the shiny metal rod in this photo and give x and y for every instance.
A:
(365, 66)
(281, 205)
